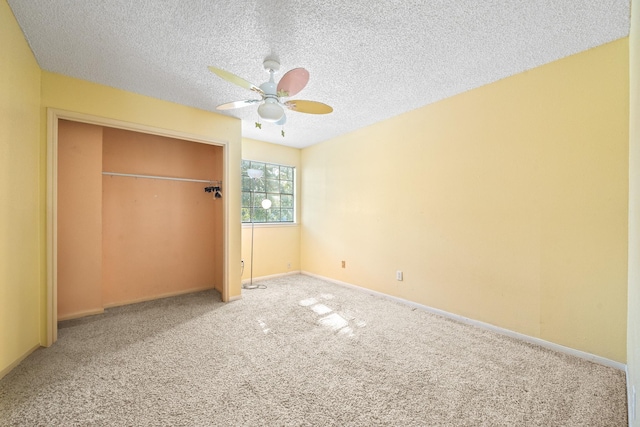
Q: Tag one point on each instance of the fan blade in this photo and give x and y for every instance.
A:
(293, 82)
(309, 107)
(237, 104)
(236, 80)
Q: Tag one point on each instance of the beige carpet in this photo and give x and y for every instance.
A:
(302, 352)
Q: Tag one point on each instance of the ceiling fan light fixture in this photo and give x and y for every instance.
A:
(282, 121)
(270, 111)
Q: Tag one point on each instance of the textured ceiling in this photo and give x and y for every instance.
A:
(370, 60)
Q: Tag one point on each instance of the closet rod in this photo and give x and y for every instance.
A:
(168, 178)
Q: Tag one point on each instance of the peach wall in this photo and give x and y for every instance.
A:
(159, 237)
(125, 239)
(141, 153)
(79, 219)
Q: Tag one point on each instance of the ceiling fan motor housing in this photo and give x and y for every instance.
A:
(271, 65)
(270, 110)
(269, 88)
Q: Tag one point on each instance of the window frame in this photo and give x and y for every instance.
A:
(264, 186)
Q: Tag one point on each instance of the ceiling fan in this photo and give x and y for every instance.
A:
(272, 105)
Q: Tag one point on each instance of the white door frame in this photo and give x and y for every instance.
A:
(53, 115)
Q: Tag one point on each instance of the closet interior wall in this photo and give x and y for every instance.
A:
(124, 239)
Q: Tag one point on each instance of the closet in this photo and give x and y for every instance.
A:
(134, 221)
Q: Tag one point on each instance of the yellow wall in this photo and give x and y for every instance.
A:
(21, 262)
(633, 321)
(506, 204)
(276, 247)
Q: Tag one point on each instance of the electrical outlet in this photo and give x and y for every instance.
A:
(399, 276)
(344, 264)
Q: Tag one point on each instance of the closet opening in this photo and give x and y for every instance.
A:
(134, 214)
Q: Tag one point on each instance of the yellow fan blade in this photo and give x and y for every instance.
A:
(309, 107)
(236, 80)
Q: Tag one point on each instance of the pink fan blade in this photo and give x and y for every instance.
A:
(293, 82)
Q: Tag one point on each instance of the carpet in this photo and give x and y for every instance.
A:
(302, 352)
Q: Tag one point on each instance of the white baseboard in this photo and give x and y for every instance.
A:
(16, 362)
(522, 337)
(272, 276)
(629, 394)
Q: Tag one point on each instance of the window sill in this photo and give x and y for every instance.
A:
(270, 224)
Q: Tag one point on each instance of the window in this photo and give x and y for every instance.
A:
(276, 184)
